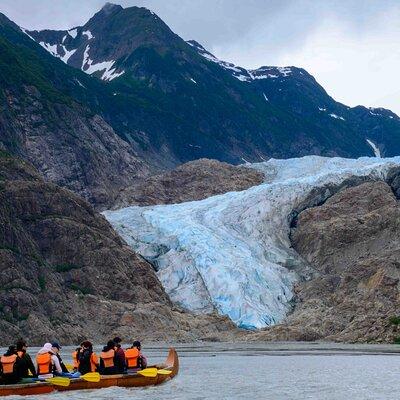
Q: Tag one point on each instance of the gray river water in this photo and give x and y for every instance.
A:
(272, 371)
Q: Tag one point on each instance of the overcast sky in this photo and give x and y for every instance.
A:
(351, 47)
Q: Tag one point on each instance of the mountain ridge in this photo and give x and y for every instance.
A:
(284, 107)
(162, 103)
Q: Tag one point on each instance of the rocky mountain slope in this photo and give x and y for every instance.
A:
(159, 101)
(232, 252)
(195, 180)
(211, 108)
(352, 242)
(45, 120)
(66, 275)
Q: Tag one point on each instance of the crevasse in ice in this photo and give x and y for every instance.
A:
(232, 252)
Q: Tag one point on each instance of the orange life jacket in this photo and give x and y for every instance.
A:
(94, 362)
(44, 364)
(108, 358)
(75, 361)
(132, 356)
(8, 363)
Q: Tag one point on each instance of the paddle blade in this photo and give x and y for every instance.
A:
(164, 372)
(91, 377)
(59, 381)
(70, 367)
(148, 372)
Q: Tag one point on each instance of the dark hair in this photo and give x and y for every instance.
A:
(117, 340)
(87, 344)
(136, 343)
(11, 350)
(110, 345)
(20, 344)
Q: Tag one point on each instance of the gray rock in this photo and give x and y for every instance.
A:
(66, 275)
(195, 180)
(352, 241)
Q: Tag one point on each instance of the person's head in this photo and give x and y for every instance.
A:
(21, 345)
(11, 350)
(110, 345)
(55, 347)
(136, 344)
(46, 348)
(87, 345)
(117, 340)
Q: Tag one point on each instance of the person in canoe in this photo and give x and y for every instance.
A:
(120, 362)
(87, 358)
(10, 367)
(48, 363)
(108, 359)
(135, 360)
(26, 364)
(55, 348)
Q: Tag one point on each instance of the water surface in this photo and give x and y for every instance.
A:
(266, 371)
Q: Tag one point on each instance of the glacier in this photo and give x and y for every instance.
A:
(231, 253)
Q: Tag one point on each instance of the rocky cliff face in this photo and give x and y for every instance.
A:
(195, 180)
(70, 146)
(352, 243)
(46, 119)
(66, 275)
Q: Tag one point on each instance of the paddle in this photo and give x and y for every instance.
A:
(70, 367)
(148, 372)
(59, 381)
(91, 377)
(164, 372)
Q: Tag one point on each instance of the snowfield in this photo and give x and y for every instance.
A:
(232, 252)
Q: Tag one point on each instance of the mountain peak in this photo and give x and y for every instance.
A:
(110, 7)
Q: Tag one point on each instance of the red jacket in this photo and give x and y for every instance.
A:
(120, 360)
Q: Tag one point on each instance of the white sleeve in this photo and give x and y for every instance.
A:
(56, 363)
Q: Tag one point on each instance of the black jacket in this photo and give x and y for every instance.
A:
(84, 358)
(26, 365)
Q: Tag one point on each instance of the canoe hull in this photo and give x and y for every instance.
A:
(27, 389)
(171, 363)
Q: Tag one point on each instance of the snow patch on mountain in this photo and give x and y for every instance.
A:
(88, 34)
(111, 73)
(240, 73)
(375, 148)
(79, 83)
(270, 72)
(107, 66)
(284, 71)
(51, 48)
(59, 51)
(336, 116)
(73, 32)
(67, 54)
(232, 252)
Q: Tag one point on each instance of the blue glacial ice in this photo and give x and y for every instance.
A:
(232, 253)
